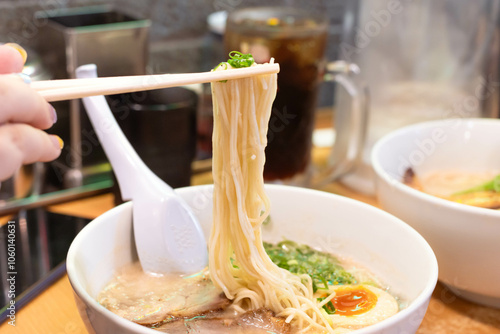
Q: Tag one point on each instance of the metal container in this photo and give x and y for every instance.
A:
(118, 44)
(115, 42)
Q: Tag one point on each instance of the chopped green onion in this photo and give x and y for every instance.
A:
(493, 185)
(220, 64)
(239, 60)
(236, 60)
(225, 67)
(267, 220)
(323, 268)
(328, 307)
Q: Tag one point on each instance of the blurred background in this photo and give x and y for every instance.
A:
(146, 37)
(179, 35)
(432, 59)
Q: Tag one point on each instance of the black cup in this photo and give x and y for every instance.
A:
(161, 126)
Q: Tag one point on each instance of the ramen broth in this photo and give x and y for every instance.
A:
(192, 304)
(457, 186)
(444, 183)
(176, 304)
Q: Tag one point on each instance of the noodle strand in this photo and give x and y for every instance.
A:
(239, 264)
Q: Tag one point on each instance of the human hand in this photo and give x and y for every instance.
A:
(24, 114)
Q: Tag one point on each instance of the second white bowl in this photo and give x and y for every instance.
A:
(466, 239)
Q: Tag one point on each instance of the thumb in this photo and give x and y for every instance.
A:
(12, 58)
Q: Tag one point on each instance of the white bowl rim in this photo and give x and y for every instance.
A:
(379, 170)
(423, 297)
(80, 291)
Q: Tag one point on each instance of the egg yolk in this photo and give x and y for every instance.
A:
(353, 300)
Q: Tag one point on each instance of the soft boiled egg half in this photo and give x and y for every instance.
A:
(358, 306)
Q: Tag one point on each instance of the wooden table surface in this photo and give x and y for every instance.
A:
(55, 312)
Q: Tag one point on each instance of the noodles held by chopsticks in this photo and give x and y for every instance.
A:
(238, 261)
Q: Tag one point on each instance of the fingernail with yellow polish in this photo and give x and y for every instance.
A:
(57, 141)
(19, 49)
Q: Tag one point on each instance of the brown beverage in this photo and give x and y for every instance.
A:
(296, 40)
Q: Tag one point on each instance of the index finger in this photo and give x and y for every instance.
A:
(21, 104)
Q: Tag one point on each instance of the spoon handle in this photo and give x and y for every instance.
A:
(126, 163)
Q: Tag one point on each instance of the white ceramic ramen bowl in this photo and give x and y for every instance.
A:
(466, 239)
(384, 244)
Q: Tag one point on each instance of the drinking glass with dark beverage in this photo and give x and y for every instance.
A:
(296, 39)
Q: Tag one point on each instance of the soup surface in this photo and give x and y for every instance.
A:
(470, 188)
(192, 304)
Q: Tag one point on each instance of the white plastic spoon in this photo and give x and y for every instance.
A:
(168, 237)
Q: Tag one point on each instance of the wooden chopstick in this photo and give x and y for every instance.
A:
(67, 89)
